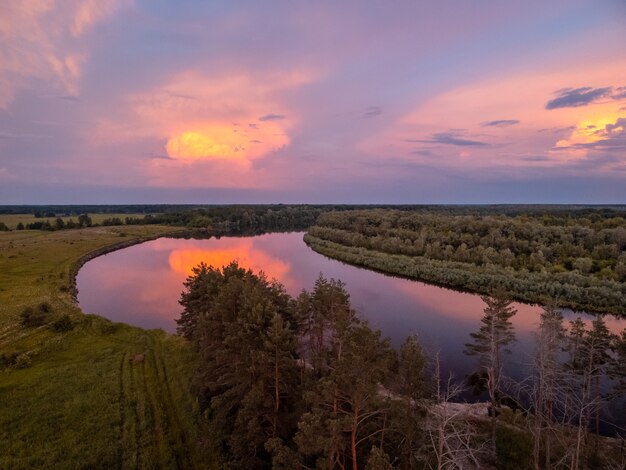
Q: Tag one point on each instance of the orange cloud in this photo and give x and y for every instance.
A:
(226, 141)
(195, 145)
(595, 127)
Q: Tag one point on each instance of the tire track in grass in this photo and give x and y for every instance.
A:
(136, 421)
(179, 438)
(122, 410)
(153, 427)
(167, 445)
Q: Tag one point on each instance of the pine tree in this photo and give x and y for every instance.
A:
(548, 376)
(490, 341)
(413, 388)
(590, 359)
(349, 361)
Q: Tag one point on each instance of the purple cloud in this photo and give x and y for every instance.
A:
(450, 138)
(272, 117)
(372, 111)
(500, 123)
(574, 97)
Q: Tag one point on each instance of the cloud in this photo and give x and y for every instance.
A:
(619, 93)
(372, 111)
(214, 143)
(535, 158)
(574, 97)
(610, 136)
(500, 123)
(450, 138)
(272, 117)
(45, 40)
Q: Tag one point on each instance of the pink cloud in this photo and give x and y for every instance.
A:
(461, 112)
(41, 39)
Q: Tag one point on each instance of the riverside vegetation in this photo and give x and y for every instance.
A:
(577, 259)
(259, 378)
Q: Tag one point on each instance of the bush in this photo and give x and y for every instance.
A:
(8, 359)
(3, 227)
(44, 307)
(63, 324)
(23, 361)
(31, 317)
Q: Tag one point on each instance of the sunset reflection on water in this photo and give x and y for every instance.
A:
(141, 285)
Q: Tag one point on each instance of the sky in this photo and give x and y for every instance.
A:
(189, 101)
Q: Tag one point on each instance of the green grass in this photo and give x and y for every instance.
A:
(103, 395)
(11, 220)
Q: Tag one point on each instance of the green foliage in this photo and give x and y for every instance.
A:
(84, 220)
(513, 449)
(575, 257)
(287, 380)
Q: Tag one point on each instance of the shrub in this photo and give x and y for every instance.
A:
(31, 317)
(8, 359)
(63, 324)
(44, 307)
(23, 361)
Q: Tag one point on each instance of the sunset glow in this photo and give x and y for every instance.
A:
(295, 102)
(246, 255)
(218, 143)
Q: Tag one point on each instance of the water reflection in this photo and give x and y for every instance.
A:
(183, 260)
(141, 285)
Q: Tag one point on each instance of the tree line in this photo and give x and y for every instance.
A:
(305, 383)
(580, 260)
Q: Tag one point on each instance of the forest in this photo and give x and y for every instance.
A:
(251, 218)
(305, 383)
(577, 258)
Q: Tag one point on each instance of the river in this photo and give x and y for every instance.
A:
(141, 285)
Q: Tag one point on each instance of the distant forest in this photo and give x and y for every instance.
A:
(281, 217)
(574, 257)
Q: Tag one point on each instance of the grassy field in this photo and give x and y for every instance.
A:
(11, 220)
(102, 395)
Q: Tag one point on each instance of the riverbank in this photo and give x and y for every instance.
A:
(532, 288)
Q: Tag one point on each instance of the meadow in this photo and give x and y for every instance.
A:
(87, 393)
(11, 220)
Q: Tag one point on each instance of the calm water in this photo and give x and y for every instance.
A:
(141, 285)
